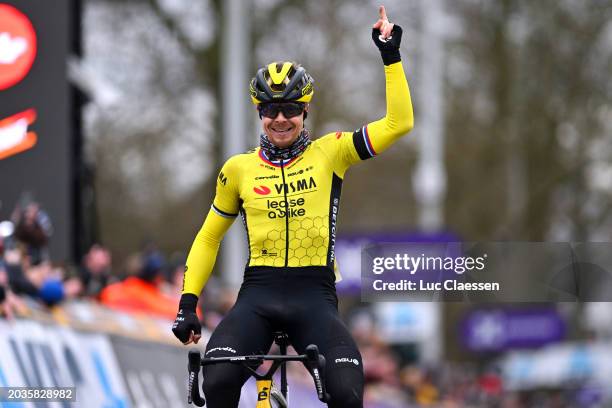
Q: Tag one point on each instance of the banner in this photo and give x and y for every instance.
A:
(93, 317)
(155, 374)
(111, 371)
(36, 355)
(511, 328)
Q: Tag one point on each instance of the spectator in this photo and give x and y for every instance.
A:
(15, 265)
(419, 386)
(40, 280)
(33, 228)
(9, 303)
(95, 271)
(54, 287)
(142, 293)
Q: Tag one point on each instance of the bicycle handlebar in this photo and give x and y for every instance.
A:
(312, 359)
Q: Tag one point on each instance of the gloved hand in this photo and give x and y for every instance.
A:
(187, 327)
(387, 37)
(389, 49)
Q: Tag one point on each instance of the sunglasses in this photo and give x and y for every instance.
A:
(289, 109)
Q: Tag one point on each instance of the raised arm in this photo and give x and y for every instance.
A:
(399, 118)
(346, 149)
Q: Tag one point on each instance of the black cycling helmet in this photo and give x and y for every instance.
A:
(281, 82)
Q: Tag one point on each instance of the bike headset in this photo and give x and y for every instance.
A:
(284, 81)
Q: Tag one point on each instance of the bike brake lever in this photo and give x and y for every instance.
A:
(195, 361)
(316, 366)
(321, 365)
(193, 367)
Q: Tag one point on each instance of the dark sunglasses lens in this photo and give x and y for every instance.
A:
(269, 110)
(290, 110)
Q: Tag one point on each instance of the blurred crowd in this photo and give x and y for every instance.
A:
(150, 283)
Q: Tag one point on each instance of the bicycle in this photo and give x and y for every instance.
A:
(268, 396)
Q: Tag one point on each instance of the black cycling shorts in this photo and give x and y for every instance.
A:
(299, 301)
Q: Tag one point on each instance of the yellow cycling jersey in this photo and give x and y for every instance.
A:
(290, 209)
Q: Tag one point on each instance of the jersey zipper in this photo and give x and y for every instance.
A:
(286, 214)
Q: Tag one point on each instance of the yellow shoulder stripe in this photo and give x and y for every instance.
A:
(278, 76)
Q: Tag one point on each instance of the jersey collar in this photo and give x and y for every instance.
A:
(276, 163)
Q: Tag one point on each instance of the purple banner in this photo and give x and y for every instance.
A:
(504, 329)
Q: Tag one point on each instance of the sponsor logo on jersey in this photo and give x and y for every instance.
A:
(265, 252)
(222, 178)
(296, 186)
(290, 208)
(300, 171)
(332, 229)
(184, 276)
(293, 163)
(347, 360)
(338, 135)
(266, 166)
(273, 176)
(295, 173)
(262, 190)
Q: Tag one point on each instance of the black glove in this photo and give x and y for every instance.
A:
(186, 319)
(389, 49)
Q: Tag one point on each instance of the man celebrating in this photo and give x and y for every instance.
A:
(288, 193)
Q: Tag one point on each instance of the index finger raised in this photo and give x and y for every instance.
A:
(382, 12)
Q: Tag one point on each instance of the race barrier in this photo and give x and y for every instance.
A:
(33, 354)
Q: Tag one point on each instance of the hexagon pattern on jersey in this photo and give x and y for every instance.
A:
(308, 238)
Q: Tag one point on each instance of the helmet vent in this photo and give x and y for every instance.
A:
(279, 87)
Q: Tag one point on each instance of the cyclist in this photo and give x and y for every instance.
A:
(287, 191)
